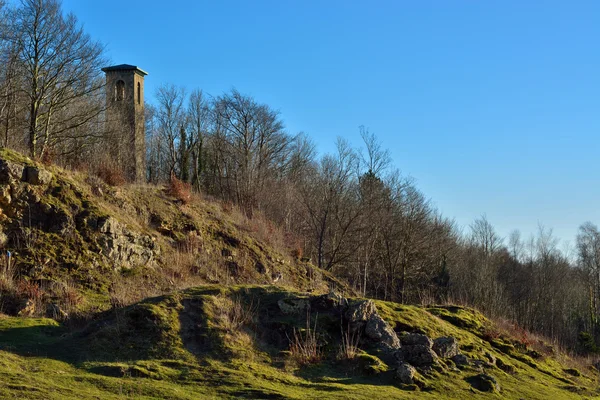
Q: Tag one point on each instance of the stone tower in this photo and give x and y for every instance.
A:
(125, 118)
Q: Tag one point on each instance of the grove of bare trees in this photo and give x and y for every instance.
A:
(350, 212)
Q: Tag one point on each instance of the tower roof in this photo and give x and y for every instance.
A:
(124, 67)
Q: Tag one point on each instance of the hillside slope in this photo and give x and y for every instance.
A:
(130, 292)
(71, 232)
(234, 342)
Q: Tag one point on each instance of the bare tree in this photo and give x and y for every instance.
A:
(199, 122)
(254, 145)
(170, 118)
(61, 66)
(588, 246)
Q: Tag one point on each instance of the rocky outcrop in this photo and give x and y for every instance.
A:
(460, 360)
(380, 331)
(292, 305)
(413, 339)
(358, 313)
(10, 172)
(405, 373)
(26, 308)
(362, 317)
(484, 383)
(446, 347)
(36, 176)
(124, 248)
(418, 355)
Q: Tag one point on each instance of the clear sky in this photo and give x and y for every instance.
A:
(492, 106)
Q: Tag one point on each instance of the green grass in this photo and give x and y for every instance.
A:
(151, 351)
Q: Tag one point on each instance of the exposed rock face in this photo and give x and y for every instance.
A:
(416, 350)
(328, 301)
(446, 347)
(484, 382)
(26, 308)
(124, 248)
(363, 315)
(412, 339)
(54, 311)
(358, 313)
(10, 172)
(460, 359)
(292, 306)
(36, 176)
(418, 355)
(379, 330)
(405, 373)
(508, 368)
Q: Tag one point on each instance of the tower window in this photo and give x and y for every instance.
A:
(139, 93)
(120, 90)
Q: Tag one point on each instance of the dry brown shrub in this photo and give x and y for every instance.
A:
(182, 191)
(70, 297)
(489, 334)
(297, 249)
(111, 175)
(227, 207)
(30, 290)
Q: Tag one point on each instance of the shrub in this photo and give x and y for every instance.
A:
(30, 290)
(297, 251)
(182, 191)
(227, 207)
(489, 334)
(111, 175)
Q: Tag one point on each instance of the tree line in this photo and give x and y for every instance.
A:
(351, 212)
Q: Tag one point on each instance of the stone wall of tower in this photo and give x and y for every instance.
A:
(126, 122)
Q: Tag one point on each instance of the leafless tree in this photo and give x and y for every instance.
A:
(170, 117)
(61, 65)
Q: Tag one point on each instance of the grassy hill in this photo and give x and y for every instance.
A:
(233, 342)
(141, 292)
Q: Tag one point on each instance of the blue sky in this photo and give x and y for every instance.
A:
(492, 106)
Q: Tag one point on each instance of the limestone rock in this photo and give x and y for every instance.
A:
(358, 313)
(125, 249)
(418, 355)
(56, 312)
(10, 172)
(484, 382)
(460, 360)
(292, 306)
(412, 339)
(405, 373)
(5, 196)
(36, 176)
(446, 347)
(379, 330)
(26, 308)
(328, 301)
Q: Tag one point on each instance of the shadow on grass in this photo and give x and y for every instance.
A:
(172, 337)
